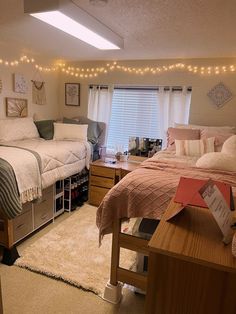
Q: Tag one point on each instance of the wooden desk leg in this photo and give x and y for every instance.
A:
(113, 289)
(1, 306)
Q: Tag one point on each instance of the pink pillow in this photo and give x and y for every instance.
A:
(181, 134)
(220, 137)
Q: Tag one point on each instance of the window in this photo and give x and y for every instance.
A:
(145, 112)
(134, 113)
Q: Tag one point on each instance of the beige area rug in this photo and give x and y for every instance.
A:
(70, 252)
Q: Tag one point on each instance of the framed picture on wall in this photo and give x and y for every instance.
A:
(72, 94)
(16, 107)
(19, 83)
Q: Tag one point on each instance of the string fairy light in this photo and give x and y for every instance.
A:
(91, 72)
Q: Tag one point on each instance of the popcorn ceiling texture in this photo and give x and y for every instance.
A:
(152, 29)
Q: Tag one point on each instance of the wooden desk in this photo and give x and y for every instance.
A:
(190, 270)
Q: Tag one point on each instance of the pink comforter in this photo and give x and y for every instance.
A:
(147, 191)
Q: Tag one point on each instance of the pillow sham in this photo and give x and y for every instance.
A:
(226, 129)
(64, 131)
(194, 147)
(180, 134)
(220, 136)
(229, 146)
(17, 129)
(45, 128)
(217, 161)
(94, 130)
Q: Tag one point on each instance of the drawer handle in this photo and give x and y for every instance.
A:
(20, 226)
(44, 216)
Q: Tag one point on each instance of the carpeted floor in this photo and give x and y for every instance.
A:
(70, 252)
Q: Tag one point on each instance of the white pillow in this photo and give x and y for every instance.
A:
(64, 131)
(17, 129)
(194, 147)
(229, 146)
(218, 161)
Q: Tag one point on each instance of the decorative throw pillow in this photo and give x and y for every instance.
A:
(194, 147)
(229, 146)
(94, 130)
(217, 161)
(227, 129)
(180, 134)
(64, 131)
(17, 129)
(45, 128)
(220, 136)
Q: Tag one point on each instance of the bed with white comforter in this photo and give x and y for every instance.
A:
(28, 166)
(59, 159)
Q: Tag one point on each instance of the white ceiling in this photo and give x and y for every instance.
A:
(152, 29)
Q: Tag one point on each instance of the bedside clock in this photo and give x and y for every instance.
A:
(20, 84)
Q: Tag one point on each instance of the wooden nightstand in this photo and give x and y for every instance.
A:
(103, 176)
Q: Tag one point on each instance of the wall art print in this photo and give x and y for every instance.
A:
(220, 95)
(72, 94)
(16, 107)
(20, 84)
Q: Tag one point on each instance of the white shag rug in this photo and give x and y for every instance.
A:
(70, 252)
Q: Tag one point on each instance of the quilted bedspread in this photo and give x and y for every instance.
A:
(55, 160)
(147, 191)
(59, 159)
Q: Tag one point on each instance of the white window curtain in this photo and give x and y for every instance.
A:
(99, 104)
(174, 107)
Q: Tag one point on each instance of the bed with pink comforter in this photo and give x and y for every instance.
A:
(147, 191)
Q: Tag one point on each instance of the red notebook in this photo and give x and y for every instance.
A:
(187, 192)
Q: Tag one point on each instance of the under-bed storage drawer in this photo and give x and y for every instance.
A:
(22, 225)
(43, 211)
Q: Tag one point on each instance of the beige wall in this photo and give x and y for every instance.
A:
(50, 110)
(202, 111)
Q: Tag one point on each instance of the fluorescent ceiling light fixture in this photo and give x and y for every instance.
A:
(70, 26)
(69, 18)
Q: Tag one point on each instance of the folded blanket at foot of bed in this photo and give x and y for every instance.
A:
(9, 196)
(20, 179)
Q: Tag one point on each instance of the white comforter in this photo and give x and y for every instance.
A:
(60, 159)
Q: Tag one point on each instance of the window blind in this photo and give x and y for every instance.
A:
(134, 113)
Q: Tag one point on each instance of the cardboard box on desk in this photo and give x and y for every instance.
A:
(215, 195)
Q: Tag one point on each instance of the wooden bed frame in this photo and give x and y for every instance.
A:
(33, 216)
(130, 242)
(120, 240)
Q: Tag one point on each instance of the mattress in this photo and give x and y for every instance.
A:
(59, 159)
